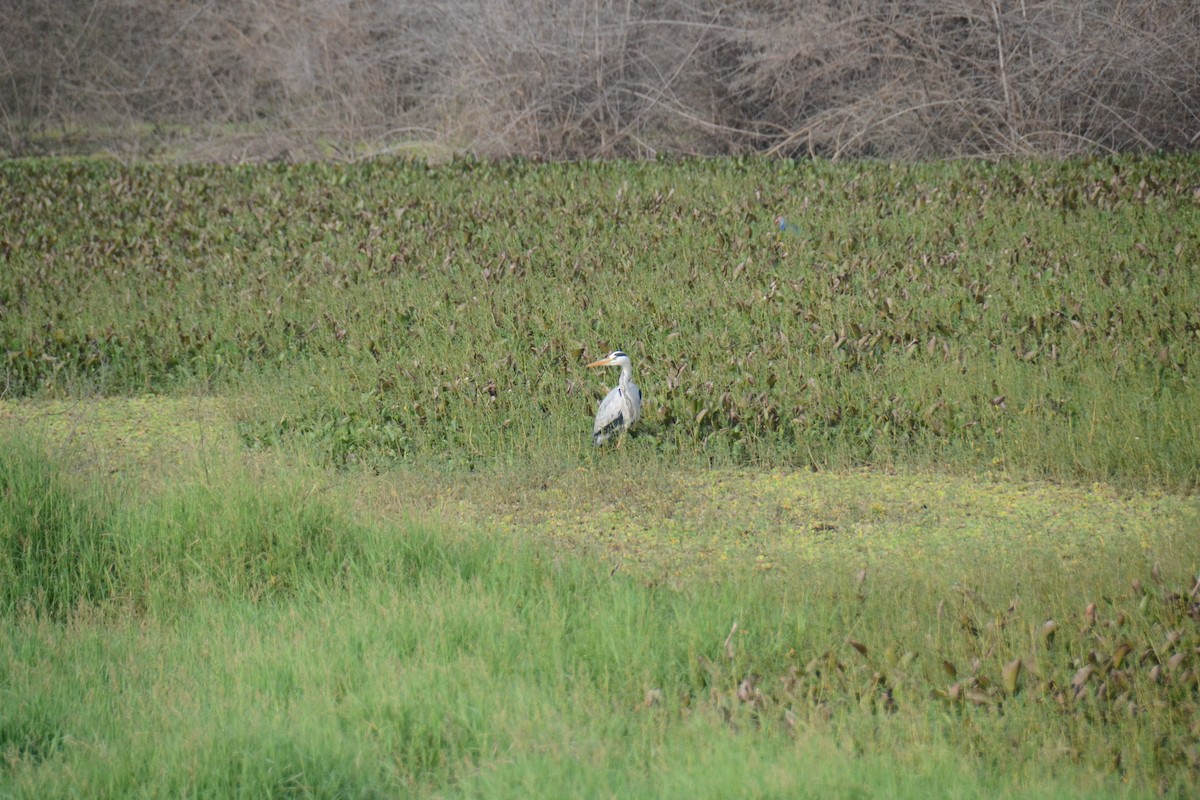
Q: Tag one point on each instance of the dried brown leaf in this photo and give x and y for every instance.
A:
(1119, 654)
(1011, 675)
(1081, 676)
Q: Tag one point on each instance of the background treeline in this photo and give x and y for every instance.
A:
(297, 79)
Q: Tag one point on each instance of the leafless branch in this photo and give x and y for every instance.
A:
(563, 79)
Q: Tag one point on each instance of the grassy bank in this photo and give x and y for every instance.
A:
(242, 633)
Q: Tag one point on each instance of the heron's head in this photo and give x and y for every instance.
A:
(614, 359)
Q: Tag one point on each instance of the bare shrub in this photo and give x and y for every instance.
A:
(577, 78)
(252, 79)
(972, 77)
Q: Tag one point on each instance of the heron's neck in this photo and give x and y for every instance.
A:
(626, 376)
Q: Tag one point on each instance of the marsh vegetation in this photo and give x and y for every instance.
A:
(297, 495)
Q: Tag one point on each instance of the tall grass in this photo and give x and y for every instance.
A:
(57, 549)
(1032, 316)
(264, 643)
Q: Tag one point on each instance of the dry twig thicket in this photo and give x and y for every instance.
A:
(563, 79)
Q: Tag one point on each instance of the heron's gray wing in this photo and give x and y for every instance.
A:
(611, 415)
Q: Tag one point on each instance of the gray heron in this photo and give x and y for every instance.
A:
(622, 406)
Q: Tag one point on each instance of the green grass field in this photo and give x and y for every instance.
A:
(297, 500)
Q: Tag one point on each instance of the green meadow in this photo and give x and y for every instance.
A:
(297, 496)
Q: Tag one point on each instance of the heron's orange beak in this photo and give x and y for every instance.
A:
(604, 362)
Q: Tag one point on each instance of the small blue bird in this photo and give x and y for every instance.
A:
(785, 226)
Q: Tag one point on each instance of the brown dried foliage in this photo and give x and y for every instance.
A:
(253, 79)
